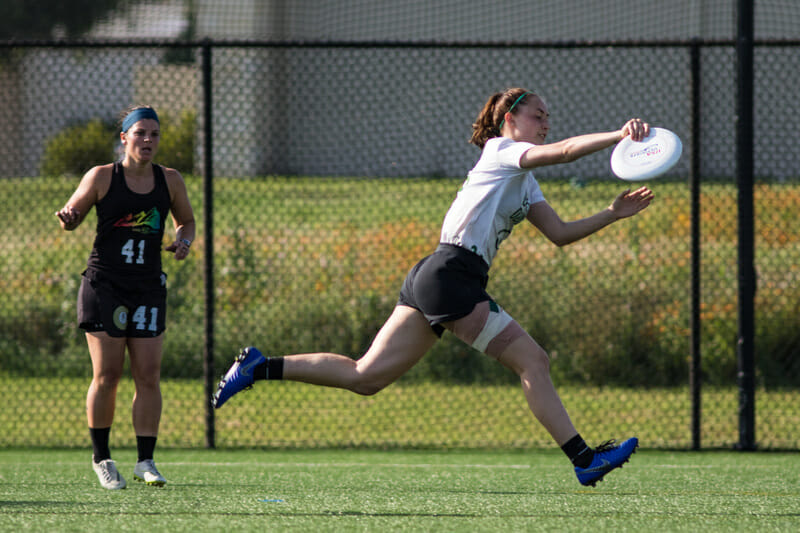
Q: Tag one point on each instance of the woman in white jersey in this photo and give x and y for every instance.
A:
(447, 290)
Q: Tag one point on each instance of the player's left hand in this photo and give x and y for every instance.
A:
(180, 248)
(629, 203)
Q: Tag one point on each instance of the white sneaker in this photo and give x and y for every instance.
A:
(146, 471)
(108, 475)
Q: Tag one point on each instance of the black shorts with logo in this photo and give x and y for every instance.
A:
(122, 307)
(446, 285)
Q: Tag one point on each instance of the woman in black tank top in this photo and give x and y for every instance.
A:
(122, 297)
(130, 228)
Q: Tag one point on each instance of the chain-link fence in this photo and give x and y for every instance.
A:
(333, 165)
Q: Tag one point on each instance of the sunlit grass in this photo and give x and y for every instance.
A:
(50, 412)
(369, 490)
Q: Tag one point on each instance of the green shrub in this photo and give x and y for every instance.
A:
(78, 148)
(176, 149)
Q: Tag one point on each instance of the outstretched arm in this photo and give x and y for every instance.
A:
(576, 147)
(562, 233)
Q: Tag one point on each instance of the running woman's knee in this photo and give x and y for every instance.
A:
(519, 352)
(365, 381)
(368, 387)
(541, 359)
(533, 363)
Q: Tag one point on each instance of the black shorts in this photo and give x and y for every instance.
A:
(122, 307)
(446, 285)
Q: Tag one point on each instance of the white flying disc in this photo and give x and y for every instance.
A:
(648, 158)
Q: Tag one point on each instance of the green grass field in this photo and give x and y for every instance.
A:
(350, 490)
(51, 413)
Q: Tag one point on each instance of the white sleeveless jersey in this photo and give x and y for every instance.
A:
(494, 198)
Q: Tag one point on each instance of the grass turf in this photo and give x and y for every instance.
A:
(356, 490)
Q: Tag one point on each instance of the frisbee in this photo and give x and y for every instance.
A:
(648, 158)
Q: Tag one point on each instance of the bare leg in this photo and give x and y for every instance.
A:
(108, 356)
(518, 351)
(145, 354)
(525, 357)
(400, 344)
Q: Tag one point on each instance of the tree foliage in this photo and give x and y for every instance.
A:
(45, 19)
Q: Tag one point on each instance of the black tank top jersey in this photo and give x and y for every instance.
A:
(130, 228)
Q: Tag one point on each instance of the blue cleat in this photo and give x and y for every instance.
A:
(239, 376)
(607, 457)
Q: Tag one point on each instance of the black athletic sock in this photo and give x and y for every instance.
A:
(100, 451)
(578, 452)
(272, 368)
(145, 447)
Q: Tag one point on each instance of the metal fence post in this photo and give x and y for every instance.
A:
(208, 237)
(744, 176)
(695, 370)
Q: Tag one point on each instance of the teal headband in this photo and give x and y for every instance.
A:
(523, 95)
(138, 114)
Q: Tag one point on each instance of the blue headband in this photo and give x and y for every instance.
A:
(138, 114)
(523, 95)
